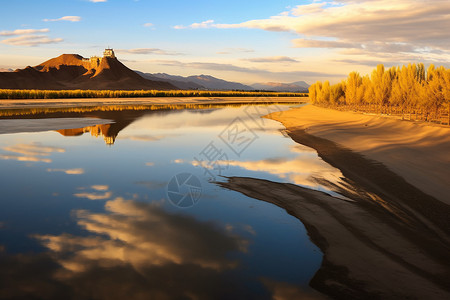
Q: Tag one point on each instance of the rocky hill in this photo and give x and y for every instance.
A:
(72, 71)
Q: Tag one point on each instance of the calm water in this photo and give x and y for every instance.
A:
(126, 206)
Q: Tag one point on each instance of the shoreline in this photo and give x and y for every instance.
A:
(44, 103)
(418, 152)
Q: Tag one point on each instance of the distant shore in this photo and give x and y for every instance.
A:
(42, 103)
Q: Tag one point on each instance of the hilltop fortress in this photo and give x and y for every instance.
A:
(95, 61)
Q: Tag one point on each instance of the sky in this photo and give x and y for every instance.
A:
(247, 41)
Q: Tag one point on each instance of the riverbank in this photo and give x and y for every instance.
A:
(57, 103)
(418, 152)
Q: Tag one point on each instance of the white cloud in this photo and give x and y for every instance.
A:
(97, 1)
(148, 25)
(65, 18)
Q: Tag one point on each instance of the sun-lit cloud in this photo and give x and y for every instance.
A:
(155, 51)
(308, 43)
(235, 50)
(378, 25)
(78, 171)
(23, 32)
(100, 187)
(31, 40)
(298, 170)
(28, 37)
(143, 235)
(94, 196)
(234, 68)
(33, 152)
(98, 192)
(65, 18)
(149, 164)
(149, 25)
(272, 59)
(143, 137)
(134, 250)
(25, 158)
(34, 149)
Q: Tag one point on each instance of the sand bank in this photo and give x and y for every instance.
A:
(418, 152)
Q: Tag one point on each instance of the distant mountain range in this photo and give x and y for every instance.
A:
(197, 82)
(211, 83)
(72, 71)
(298, 86)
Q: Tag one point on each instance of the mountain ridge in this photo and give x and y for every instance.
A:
(297, 86)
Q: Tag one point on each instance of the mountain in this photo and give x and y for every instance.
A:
(198, 82)
(181, 84)
(72, 71)
(6, 70)
(298, 86)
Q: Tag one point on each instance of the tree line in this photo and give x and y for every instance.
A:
(412, 90)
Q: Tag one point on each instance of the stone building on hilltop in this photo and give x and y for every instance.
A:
(95, 61)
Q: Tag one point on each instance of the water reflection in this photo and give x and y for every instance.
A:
(76, 237)
(137, 251)
(33, 152)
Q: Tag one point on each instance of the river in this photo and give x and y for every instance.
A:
(126, 204)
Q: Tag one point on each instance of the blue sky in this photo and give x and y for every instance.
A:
(247, 41)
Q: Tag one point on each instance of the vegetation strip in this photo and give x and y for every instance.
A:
(410, 92)
(60, 94)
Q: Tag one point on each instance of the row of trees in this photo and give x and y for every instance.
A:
(409, 90)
